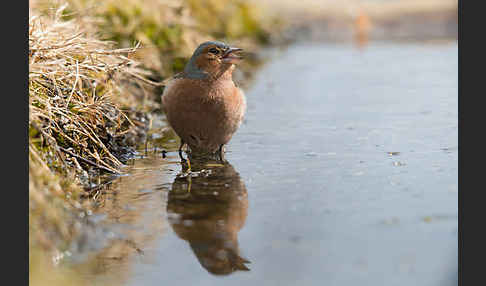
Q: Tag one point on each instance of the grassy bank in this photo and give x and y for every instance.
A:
(95, 73)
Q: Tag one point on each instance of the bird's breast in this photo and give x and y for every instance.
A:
(199, 95)
(206, 113)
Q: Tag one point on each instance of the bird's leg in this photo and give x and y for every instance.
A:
(221, 153)
(182, 157)
(180, 150)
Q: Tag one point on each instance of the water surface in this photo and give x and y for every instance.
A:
(344, 172)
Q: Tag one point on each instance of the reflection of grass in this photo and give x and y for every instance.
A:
(43, 273)
(51, 202)
(53, 205)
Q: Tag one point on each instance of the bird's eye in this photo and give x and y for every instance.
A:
(214, 51)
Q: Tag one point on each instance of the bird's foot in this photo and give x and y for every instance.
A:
(186, 165)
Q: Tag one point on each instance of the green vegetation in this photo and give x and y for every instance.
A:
(169, 31)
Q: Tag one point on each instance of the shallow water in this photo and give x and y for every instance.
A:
(344, 172)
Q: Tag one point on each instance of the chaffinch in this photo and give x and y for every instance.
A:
(202, 103)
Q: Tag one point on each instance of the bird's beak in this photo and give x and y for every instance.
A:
(230, 55)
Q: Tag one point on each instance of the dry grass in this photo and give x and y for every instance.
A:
(79, 83)
(72, 77)
(76, 83)
(75, 130)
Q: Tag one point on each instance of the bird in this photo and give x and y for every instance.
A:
(202, 103)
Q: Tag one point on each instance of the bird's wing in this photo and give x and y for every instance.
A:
(177, 75)
(165, 83)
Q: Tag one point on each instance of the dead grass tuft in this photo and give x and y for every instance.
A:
(72, 78)
(76, 129)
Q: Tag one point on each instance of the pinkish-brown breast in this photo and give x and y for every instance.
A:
(205, 115)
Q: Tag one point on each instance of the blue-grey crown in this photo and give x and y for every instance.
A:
(191, 69)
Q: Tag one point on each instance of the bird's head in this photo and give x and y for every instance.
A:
(213, 59)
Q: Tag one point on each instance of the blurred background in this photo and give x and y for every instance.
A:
(343, 172)
(378, 19)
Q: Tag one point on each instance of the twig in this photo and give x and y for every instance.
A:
(88, 161)
(154, 83)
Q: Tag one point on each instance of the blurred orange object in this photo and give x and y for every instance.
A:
(362, 26)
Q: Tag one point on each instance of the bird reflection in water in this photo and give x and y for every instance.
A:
(207, 207)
